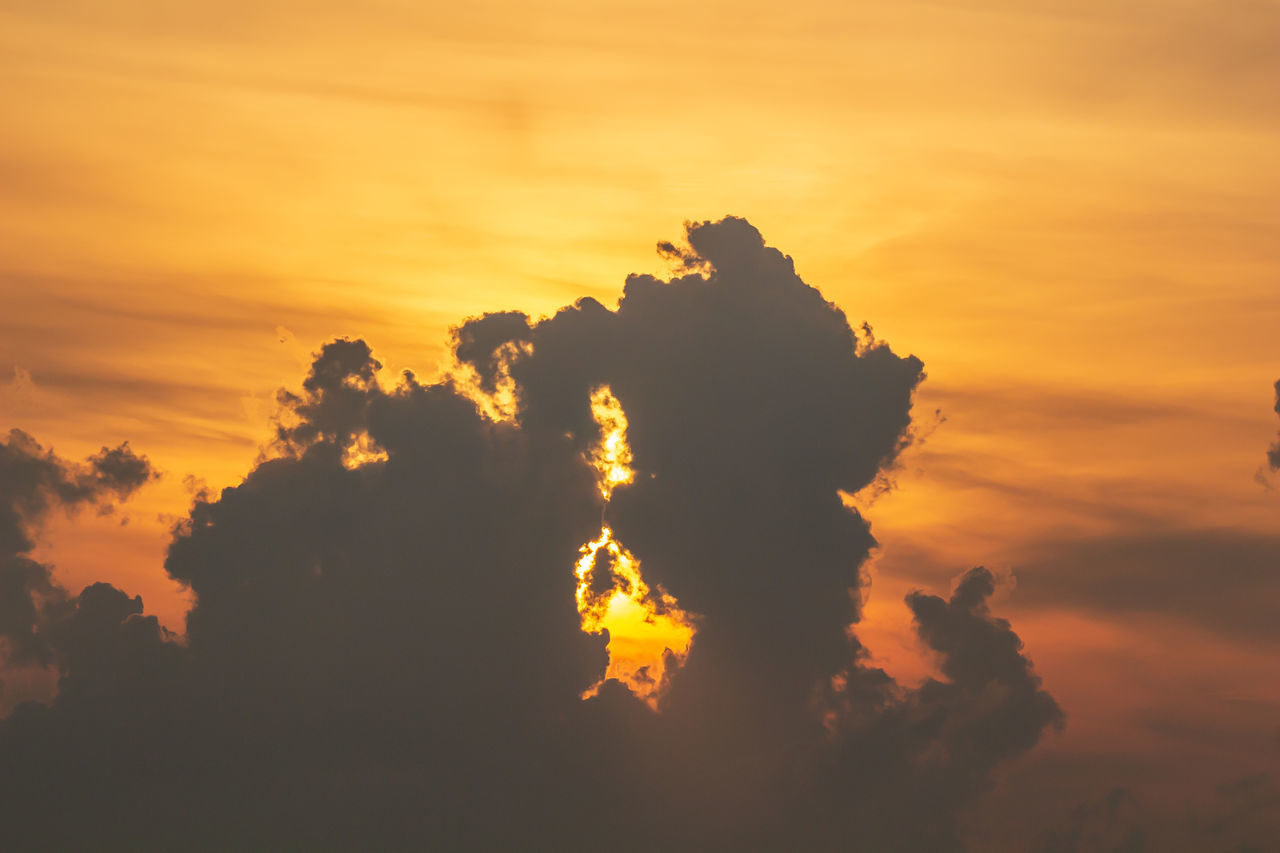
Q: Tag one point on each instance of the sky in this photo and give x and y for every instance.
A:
(1067, 212)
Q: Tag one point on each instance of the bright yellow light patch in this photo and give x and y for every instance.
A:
(612, 456)
(647, 629)
(643, 624)
(502, 403)
(362, 451)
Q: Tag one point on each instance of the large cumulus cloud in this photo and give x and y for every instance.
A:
(384, 648)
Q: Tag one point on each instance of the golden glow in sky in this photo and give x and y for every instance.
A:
(647, 629)
(611, 457)
(1068, 211)
(362, 451)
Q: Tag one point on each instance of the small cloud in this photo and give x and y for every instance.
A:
(19, 392)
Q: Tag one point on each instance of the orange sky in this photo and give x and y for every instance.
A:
(1068, 211)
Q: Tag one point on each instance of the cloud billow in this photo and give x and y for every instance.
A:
(384, 650)
(35, 482)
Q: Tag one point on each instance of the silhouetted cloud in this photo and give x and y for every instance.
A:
(1273, 455)
(385, 650)
(33, 483)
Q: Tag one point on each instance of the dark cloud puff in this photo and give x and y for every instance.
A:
(387, 655)
(33, 483)
(1273, 455)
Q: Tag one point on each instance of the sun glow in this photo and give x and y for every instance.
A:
(648, 632)
(362, 451)
(612, 456)
(501, 403)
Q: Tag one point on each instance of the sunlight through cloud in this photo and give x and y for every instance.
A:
(647, 629)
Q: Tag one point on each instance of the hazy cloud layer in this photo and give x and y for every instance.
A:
(1222, 580)
(1239, 816)
(388, 655)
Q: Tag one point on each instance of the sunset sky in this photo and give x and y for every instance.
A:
(1069, 212)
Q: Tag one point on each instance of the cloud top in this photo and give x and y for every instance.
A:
(385, 651)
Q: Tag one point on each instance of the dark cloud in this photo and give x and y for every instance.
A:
(1273, 455)
(33, 483)
(384, 650)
